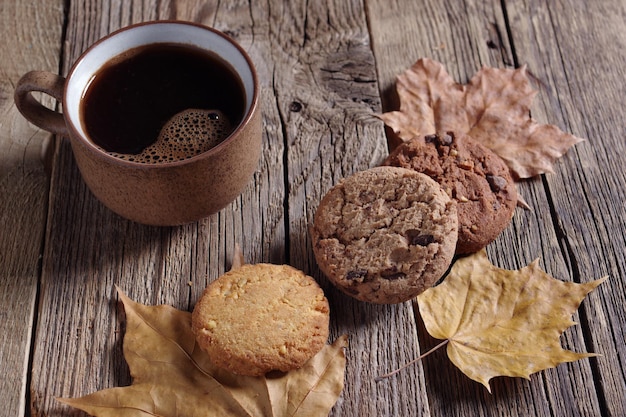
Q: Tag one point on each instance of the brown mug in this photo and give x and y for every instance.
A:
(168, 193)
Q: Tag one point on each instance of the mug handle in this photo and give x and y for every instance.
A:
(33, 110)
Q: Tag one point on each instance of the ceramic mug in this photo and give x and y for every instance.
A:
(162, 194)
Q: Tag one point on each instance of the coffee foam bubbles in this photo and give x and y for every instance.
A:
(187, 134)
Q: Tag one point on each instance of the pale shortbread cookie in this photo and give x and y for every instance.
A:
(262, 317)
(385, 235)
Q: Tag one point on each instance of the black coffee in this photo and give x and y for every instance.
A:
(132, 98)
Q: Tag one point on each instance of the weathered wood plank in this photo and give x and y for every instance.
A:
(465, 36)
(89, 250)
(577, 52)
(31, 33)
(324, 81)
(319, 94)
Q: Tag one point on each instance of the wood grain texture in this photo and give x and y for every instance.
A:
(31, 35)
(91, 250)
(326, 67)
(324, 82)
(580, 70)
(465, 36)
(319, 94)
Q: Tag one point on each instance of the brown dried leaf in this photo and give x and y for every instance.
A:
(238, 259)
(502, 322)
(173, 377)
(313, 389)
(493, 108)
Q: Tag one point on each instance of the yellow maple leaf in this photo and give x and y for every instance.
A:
(173, 377)
(500, 322)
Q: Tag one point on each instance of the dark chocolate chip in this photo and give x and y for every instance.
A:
(447, 139)
(496, 182)
(416, 238)
(392, 273)
(431, 138)
(393, 277)
(356, 275)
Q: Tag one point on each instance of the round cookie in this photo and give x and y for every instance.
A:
(385, 235)
(471, 174)
(259, 318)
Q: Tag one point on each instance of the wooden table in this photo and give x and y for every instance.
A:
(326, 68)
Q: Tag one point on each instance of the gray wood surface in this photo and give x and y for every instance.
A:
(326, 68)
(23, 189)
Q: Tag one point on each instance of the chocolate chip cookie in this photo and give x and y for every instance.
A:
(384, 235)
(472, 175)
(259, 318)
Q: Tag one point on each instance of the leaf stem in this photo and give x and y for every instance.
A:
(392, 373)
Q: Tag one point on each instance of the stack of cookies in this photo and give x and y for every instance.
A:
(386, 234)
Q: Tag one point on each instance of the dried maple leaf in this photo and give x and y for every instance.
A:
(173, 377)
(493, 108)
(502, 322)
(498, 322)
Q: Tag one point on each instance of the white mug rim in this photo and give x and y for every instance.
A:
(71, 104)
